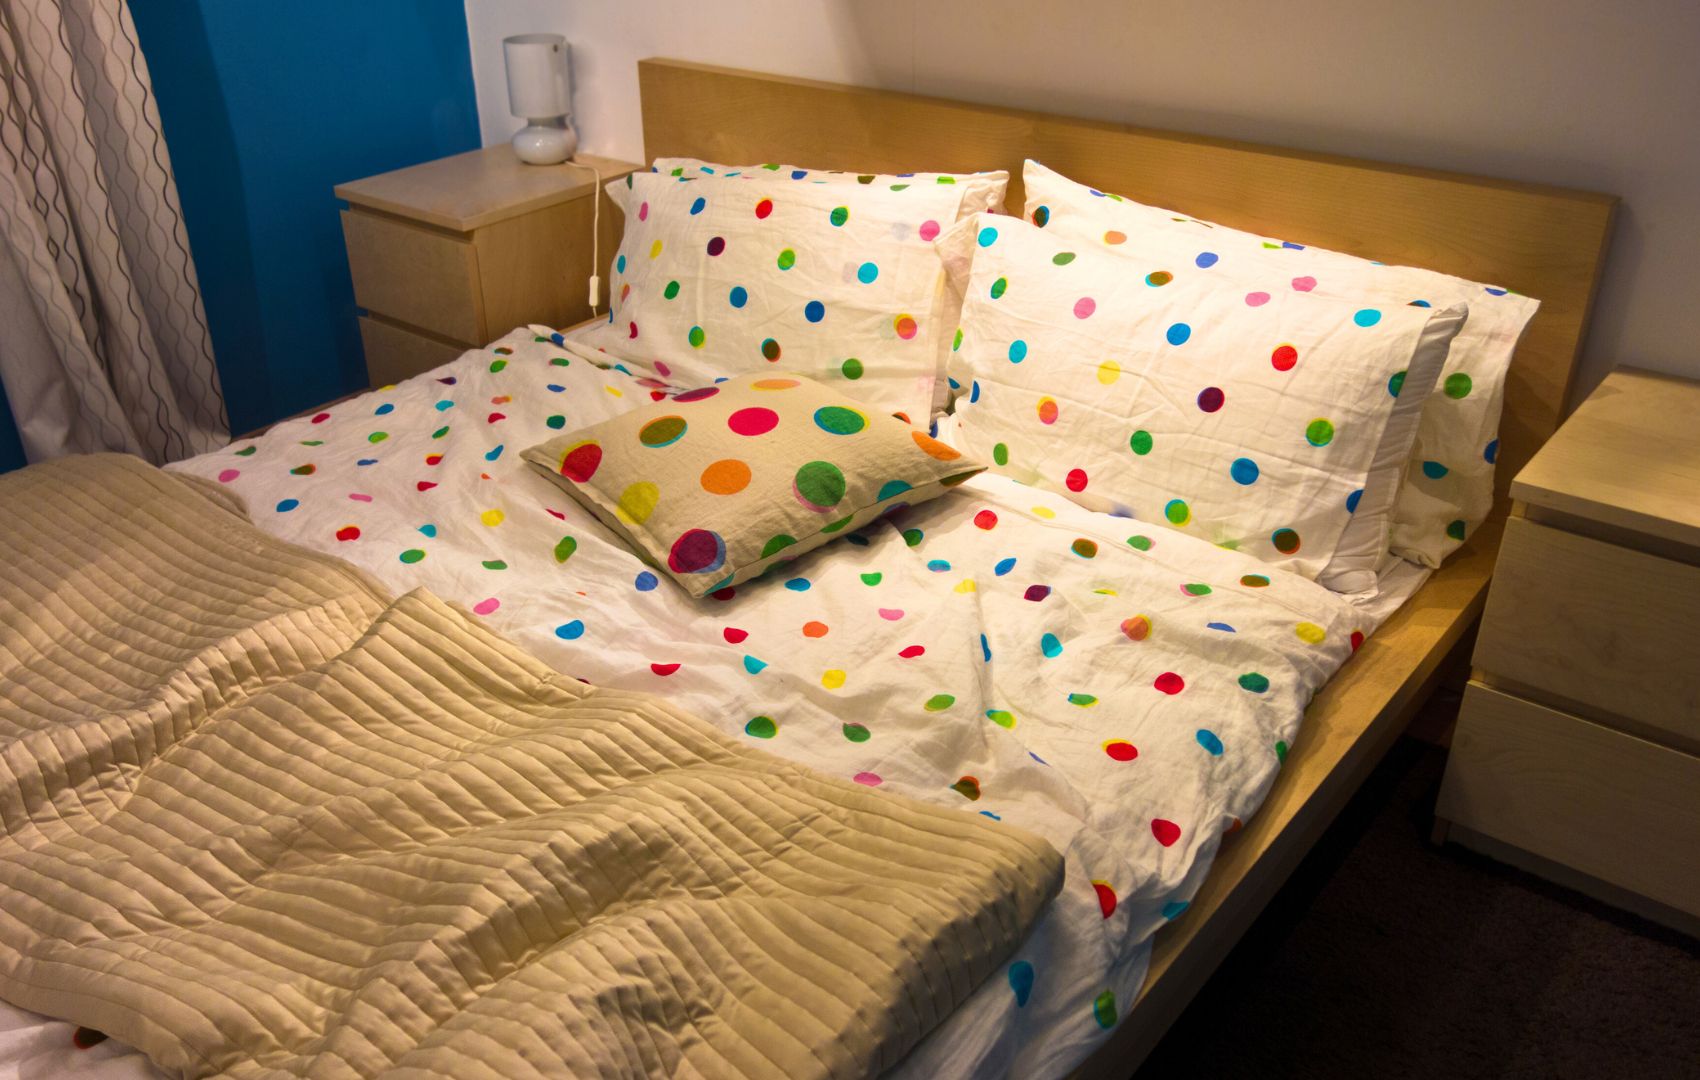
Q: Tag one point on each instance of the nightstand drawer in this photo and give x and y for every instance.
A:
(415, 275)
(394, 353)
(1608, 804)
(1604, 626)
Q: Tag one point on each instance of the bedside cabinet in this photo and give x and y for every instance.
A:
(1577, 751)
(452, 254)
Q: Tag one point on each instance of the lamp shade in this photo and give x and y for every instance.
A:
(539, 75)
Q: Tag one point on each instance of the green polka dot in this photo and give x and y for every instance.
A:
(1063, 258)
(560, 361)
(999, 287)
(671, 291)
(1396, 383)
(787, 259)
(1104, 1008)
(495, 564)
(1140, 442)
(440, 432)
(777, 544)
(852, 368)
(1000, 454)
(1139, 543)
(375, 437)
(497, 365)
(912, 536)
(839, 215)
(696, 337)
(1457, 385)
(1281, 750)
(761, 727)
(939, 702)
(1196, 589)
(873, 578)
(1254, 681)
(1001, 717)
(1319, 432)
(856, 732)
(565, 548)
(1456, 530)
(956, 343)
(412, 555)
(1177, 512)
(820, 484)
(557, 421)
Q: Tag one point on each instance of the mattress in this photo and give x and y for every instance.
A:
(1126, 692)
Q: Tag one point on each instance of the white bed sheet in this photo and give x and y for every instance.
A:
(990, 634)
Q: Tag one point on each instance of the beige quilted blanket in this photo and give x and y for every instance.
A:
(258, 819)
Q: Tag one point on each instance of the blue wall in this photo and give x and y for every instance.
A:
(266, 107)
(11, 450)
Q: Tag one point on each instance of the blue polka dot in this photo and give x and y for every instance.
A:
(937, 566)
(867, 273)
(1178, 333)
(383, 410)
(696, 207)
(1352, 501)
(798, 584)
(1243, 470)
(814, 311)
(974, 391)
(1210, 742)
(985, 649)
(1367, 317)
(1205, 260)
(646, 582)
(1434, 470)
(1491, 454)
(287, 505)
(739, 296)
(798, 174)
(367, 461)
(1225, 628)
(1017, 351)
(1493, 291)
(555, 388)
(570, 631)
(988, 236)
(492, 455)
(1419, 303)
(1004, 566)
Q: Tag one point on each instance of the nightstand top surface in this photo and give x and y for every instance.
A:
(1628, 457)
(480, 187)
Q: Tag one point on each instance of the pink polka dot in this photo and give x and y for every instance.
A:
(1084, 307)
(753, 421)
(890, 614)
(929, 230)
(359, 497)
(662, 369)
(485, 607)
(228, 475)
(1304, 284)
(1256, 299)
(643, 212)
(868, 778)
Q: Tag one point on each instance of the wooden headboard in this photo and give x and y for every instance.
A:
(1544, 242)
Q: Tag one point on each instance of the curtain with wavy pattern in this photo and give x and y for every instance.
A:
(103, 340)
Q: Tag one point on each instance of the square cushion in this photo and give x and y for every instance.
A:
(717, 484)
(1255, 422)
(1447, 488)
(716, 277)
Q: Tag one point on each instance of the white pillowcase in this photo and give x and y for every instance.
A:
(1261, 423)
(983, 191)
(1448, 485)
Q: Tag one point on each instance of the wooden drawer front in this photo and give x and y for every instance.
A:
(1611, 628)
(414, 275)
(394, 353)
(1608, 804)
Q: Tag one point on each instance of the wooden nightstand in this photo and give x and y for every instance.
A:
(452, 254)
(1577, 752)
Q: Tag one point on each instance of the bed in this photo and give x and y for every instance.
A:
(1544, 242)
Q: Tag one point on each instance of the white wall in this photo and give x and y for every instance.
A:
(1580, 93)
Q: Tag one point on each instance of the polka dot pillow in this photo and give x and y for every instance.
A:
(720, 276)
(718, 484)
(1256, 423)
(1447, 488)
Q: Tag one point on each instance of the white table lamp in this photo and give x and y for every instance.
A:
(540, 92)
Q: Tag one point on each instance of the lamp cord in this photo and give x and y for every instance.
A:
(595, 233)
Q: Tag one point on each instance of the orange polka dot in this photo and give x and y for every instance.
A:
(814, 629)
(727, 476)
(933, 447)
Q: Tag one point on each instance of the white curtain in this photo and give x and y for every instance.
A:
(103, 341)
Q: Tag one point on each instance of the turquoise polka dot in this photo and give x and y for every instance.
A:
(1017, 351)
(988, 236)
(1178, 333)
(620, 265)
(1209, 740)
(1434, 470)
(1050, 646)
(938, 566)
(1243, 470)
(799, 584)
(1367, 317)
(867, 273)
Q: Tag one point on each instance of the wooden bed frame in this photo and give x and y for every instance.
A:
(1541, 241)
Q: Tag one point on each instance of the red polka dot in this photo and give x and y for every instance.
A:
(910, 652)
(321, 418)
(733, 635)
(1170, 683)
(1284, 357)
(764, 208)
(580, 463)
(631, 330)
(1166, 832)
(1106, 898)
(348, 532)
(664, 669)
(1121, 750)
(985, 519)
(1076, 480)
(1357, 639)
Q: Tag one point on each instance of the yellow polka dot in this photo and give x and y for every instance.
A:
(637, 502)
(655, 249)
(614, 390)
(1045, 512)
(832, 679)
(1109, 371)
(966, 585)
(1310, 633)
(492, 518)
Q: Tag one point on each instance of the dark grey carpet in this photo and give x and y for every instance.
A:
(1386, 957)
